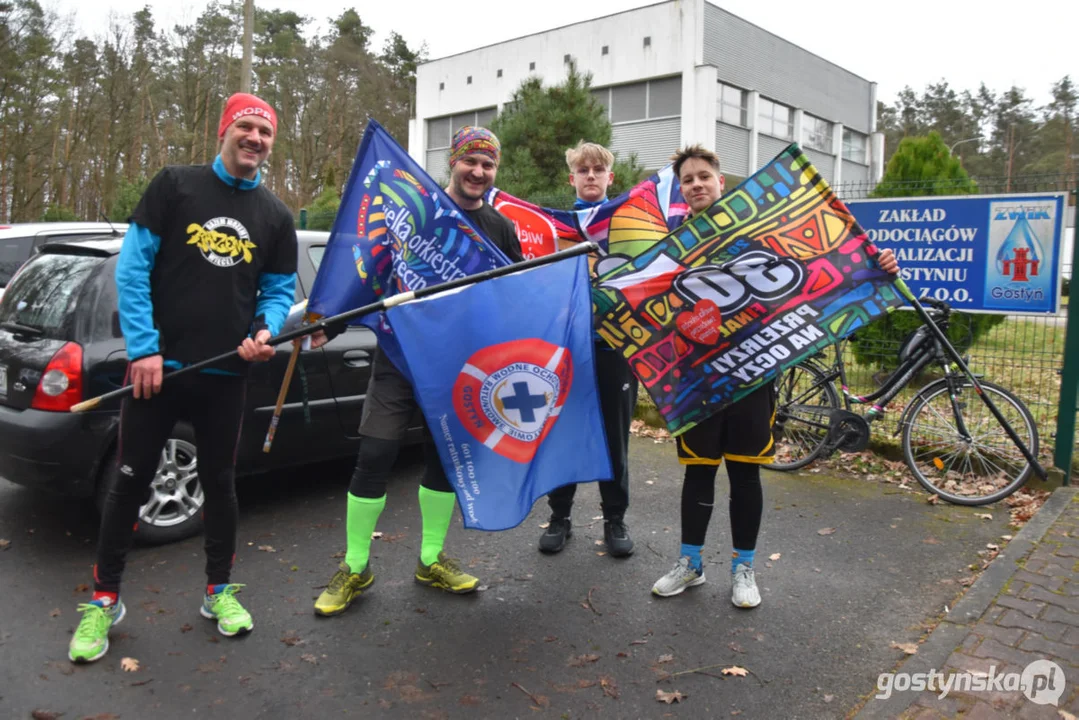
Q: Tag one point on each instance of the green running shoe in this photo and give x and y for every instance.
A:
(223, 607)
(345, 586)
(91, 639)
(447, 575)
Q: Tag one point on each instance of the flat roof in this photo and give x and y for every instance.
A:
(638, 9)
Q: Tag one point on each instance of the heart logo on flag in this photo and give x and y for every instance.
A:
(701, 325)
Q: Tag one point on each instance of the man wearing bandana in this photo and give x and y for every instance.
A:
(390, 405)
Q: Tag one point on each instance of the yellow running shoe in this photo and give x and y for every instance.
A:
(345, 586)
(447, 575)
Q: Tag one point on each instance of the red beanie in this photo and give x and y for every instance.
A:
(242, 104)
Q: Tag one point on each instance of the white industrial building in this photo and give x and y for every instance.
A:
(670, 74)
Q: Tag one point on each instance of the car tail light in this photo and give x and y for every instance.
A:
(60, 386)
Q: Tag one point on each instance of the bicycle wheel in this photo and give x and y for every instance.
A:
(804, 402)
(988, 467)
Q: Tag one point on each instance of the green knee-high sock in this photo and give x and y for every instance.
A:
(359, 524)
(436, 509)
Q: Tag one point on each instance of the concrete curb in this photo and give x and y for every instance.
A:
(952, 630)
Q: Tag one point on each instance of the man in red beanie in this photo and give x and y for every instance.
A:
(208, 265)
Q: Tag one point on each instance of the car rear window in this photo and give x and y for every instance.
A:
(45, 293)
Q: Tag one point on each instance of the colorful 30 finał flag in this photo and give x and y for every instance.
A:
(510, 396)
(396, 230)
(773, 272)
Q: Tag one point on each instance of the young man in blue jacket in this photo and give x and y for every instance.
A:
(208, 265)
(590, 175)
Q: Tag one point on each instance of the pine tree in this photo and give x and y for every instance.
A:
(537, 126)
(921, 166)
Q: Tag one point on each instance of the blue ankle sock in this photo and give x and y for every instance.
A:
(693, 552)
(740, 557)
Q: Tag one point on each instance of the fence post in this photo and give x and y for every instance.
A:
(1069, 381)
(303, 219)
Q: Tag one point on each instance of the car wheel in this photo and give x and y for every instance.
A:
(174, 508)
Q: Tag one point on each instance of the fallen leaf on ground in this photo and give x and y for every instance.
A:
(186, 628)
(826, 531)
(992, 546)
(610, 687)
(669, 697)
(987, 516)
(581, 660)
(129, 665)
(308, 657)
(291, 640)
(933, 499)
(45, 715)
(4, 545)
(908, 648)
(376, 535)
(775, 556)
(55, 612)
(599, 542)
(1065, 715)
(267, 548)
(81, 588)
(735, 671)
(829, 698)
(665, 659)
(544, 526)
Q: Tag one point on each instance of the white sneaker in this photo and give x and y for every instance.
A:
(744, 592)
(678, 579)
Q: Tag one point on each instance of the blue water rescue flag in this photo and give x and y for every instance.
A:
(504, 373)
(396, 230)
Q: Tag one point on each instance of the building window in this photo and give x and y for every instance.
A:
(500, 72)
(817, 132)
(442, 86)
(469, 81)
(854, 146)
(440, 130)
(642, 101)
(733, 105)
(775, 119)
(532, 66)
(604, 51)
(648, 41)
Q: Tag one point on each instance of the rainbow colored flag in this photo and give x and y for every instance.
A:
(772, 273)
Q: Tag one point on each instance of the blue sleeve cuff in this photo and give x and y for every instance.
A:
(277, 291)
(137, 256)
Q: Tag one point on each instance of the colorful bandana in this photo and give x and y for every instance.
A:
(471, 140)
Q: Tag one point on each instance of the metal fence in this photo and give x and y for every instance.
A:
(1024, 354)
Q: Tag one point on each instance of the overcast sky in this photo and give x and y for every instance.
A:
(1031, 44)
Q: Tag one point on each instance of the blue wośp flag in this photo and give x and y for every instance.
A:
(396, 230)
(504, 373)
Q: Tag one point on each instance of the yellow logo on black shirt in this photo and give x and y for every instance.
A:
(223, 249)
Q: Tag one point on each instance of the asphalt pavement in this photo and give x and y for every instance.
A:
(861, 566)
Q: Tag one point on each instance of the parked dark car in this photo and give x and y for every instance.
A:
(60, 343)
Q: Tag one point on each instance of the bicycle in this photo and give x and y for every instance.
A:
(956, 449)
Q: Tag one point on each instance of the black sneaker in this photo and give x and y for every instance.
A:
(616, 535)
(554, 538)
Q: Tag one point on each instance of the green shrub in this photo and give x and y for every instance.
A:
(878, 344)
